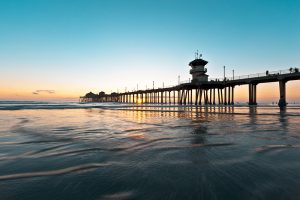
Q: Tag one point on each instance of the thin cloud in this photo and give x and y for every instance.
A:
(37, 92)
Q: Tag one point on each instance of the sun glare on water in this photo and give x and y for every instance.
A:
(139, 101)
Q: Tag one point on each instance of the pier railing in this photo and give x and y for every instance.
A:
(242, 77)
(257, 75)
(265, 74)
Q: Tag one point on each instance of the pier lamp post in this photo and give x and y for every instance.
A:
(224, 72)
(137, 87)
(233, 74)
(153, 85)
(178, 79)
(163, 85)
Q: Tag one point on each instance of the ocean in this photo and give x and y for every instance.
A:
(59, 150)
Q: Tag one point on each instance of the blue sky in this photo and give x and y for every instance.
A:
(109, 44)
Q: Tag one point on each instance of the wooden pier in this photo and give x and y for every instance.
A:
(201, 90)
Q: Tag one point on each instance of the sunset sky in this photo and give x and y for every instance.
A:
(62, 49)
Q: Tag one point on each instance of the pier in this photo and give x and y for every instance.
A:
(202, 90)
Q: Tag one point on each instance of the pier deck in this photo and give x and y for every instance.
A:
(213, 91)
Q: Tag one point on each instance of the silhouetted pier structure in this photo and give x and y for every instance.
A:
(201, 90)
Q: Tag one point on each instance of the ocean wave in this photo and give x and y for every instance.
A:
(77, 168)
(267, 148)
(118, 196)
(25, 105)
(154, 108)
(196, 146)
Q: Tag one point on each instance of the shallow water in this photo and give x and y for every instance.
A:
(115, 151)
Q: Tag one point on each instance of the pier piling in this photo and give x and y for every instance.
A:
(282, 91)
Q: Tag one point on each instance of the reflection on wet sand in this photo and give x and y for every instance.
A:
(212, 152)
